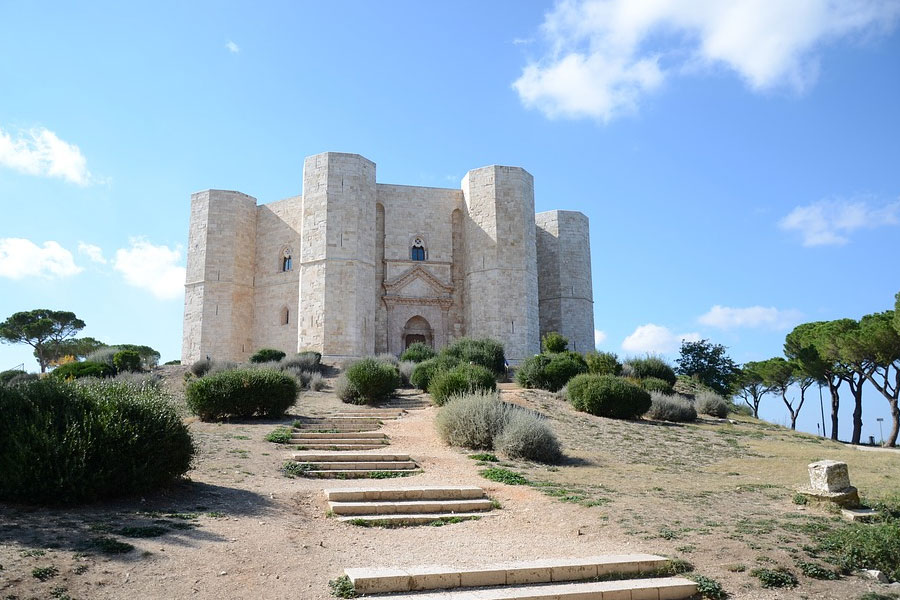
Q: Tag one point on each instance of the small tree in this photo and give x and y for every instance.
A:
(802, 346)
(708, 363)
(554, 342)
(751, 386)
(780, 375)
(603, 363)
(876, 350)
(42, 329)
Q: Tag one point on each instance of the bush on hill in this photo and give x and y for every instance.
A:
(241, 393)
(603, 363)
(267, 355)
(653, 384)
(651, 366)
(459, 380)
(127, 361)
(424, 372)
(5, 376)
(554, 342)
(664, 407)
(550, 371)
(710, 403)
(371, 381)
(485, 352)
(77, 370)
(608, 396)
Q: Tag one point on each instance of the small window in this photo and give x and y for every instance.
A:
(286, 261)
(285, 316)
(417, 252)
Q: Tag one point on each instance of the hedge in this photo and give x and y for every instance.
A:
(608, 396)
(550, 371)
(241, 393)
(462, 379)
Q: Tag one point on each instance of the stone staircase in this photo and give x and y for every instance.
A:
(610, 577)
(355, 440)
(351, 465)
(408, 505)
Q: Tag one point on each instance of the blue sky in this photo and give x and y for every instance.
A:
(738, 161)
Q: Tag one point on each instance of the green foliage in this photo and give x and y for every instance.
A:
(554, 342)
(280, 435)
(484, 457)
(42, 329)
(459, 380)
(550, 371)
(424, 372)
(709, 403)
(485, 352)
(342, 587)
(108, 545)
(406, 368)
(418, 352)
(292, 468)
(77, 370)
(866, 546)
(608, 396)
(709, 588)
(371, 381)
(501, 475)
(775, 578)
(800, 499)
(308, 361)
(127, 361)
(653, 384)
(267, 355)
(64, 443)
(877, 596)
(817, 571)
(708, 363)
(5, 376)
(172, 362)
(44, 573)
(603, 363)
(651, 366)
(671, 408)
(241, 393)
(527, 436)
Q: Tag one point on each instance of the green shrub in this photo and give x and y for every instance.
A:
(172, 362)
(423, 372)
(127, 361)
(550, 371)
(406, 368)
(372, 380)
(485, 352)
(603, 363)
(653, 384)
(5, 376)
(817, 571)
(267, 355)
(342, 587)
(775, 578)
(418, 352)
(241, 393)
(527, 435)
(64, 443)
(501, 475)
(302, 361)
(651, 366)
(201, 367)
(608, 396)
(345, 391)
(77, 370)
(740, 409)
(387, 357)
(710, 403)
(866, 546)
(709, 588)
(671, 408)
(459, 380)
(316, 382)
(280, 435)
(23, 378)
(554, 342)
(473, 421)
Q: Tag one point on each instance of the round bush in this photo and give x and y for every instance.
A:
(550, 371)
(65, 443)
(554, 342)
(603, 363)
(651, 366)
(372, 380)
(424, 372)
(527, 435)
(418, 352)
(462, 379)
(302, 361)
(676, 408)
(608, 396)
(473, 421)
(710, 403)
(653, 384)
(76, 370)
(485, 352)
(267, 355)
(5, 376)
(241, 393)
(127, 361)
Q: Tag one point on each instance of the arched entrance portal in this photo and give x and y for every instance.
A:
(416, 330)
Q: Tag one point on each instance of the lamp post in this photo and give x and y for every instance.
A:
(880, 432)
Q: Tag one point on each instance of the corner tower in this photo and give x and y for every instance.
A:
(564, 277)
(337, 256)
(501, 289)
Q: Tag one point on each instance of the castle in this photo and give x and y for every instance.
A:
(354, 267)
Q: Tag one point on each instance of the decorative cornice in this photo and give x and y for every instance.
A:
(420, 272)
(442, 302)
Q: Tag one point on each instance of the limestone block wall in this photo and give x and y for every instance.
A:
(276, 293)
(337, 256)
(566, 300)
(501, 289)
(219, 280)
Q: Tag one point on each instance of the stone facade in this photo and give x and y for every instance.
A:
(354, 267)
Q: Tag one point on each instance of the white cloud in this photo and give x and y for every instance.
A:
(599, 337)
(232, 47)
(92, 252)
(39, 151)
(829, 222)
(153, 268)
(605, 55)
(23, 258)
(726, 317)
(656, 339)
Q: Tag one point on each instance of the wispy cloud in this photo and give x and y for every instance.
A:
(726, 317)
(656, 339)
(599, 337)
(95, 253)
(153, 268)
(603, 56)
(232, 47)
(40, 152)
(830, 222)
(20, 258)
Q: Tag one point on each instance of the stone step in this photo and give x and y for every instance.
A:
(349, 457)
(370, 581)
(360, 435)
(404, 493)
(368, 465)
(397, 520)
(337, 446)
(335, 428)
(371, 412)
(410, 507)
(348, 441)
(356, 473)
(340, 420)
(663, 588)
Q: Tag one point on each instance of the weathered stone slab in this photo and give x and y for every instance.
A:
(829, 476)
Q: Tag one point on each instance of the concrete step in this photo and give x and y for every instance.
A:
(371, 581)
(371, 412)
(314, 442)
(375, 435)
(368, 465)
(398, 520)
(404, 493)
(349, 457)
(662, 588)
(337, 446)
(314, 427)
(383, 508)
(341, 420)
(356, 473)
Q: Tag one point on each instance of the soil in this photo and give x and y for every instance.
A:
(716, 494)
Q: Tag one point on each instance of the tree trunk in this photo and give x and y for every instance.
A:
(790, 409)
(856, 390)
(835, 405)
(895, 426)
